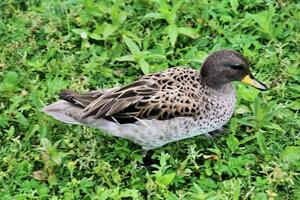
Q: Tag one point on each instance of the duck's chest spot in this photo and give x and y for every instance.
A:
(214, 114)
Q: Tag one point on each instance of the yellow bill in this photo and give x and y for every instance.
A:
(250, 80)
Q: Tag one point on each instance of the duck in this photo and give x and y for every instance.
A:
(162, 107)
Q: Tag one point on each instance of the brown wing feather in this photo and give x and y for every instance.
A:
(117, 101)
(82, 100)
(173, 93)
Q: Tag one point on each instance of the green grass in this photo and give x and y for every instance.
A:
(47, 46)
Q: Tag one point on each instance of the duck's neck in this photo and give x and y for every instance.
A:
(212, 80)
(225, 88)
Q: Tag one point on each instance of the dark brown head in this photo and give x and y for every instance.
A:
(225, 66)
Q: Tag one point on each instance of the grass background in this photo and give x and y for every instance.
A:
(47, 46)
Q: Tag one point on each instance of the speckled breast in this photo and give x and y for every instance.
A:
(214, 114)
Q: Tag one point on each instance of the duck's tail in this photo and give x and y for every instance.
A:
(67, 112)
(64, 111)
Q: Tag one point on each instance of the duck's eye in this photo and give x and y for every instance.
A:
(236, 66)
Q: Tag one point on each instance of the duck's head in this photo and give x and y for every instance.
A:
(225, 66)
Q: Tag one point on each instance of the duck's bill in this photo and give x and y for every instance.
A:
(250, 80)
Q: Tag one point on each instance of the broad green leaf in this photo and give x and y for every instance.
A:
(165, 10)
(134, 37)
(10, 83)
(172, 33)
(71, 166)
(46, 143)
(226, 18)
(78, 31)
(133, 193)
(10, 132)
(260, 196)
(233, 143)
(117, 15)
(261, 141)
(274, 126)
(144, 66)
(155, 56)
(295, 105)
(52, 180)
(264, 21)
(198, 57)
(190, 32)
(165, 180)
(248, 121)
(247, 139)
(197, 193)
(164, 157)
(57, 157)
(172, 15)
(11, 77)
(95, 36)
(247, 93)
(234, 4)
(233, 125)
(125, 58)
(109, 30)
(132, 46)
(237, 190)
(290, 154)
(154, 15)
(242, 109)
(208, 169)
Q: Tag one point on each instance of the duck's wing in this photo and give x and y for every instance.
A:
(83, 99)
(173, 93)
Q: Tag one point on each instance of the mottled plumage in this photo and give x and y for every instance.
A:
(163, 107)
